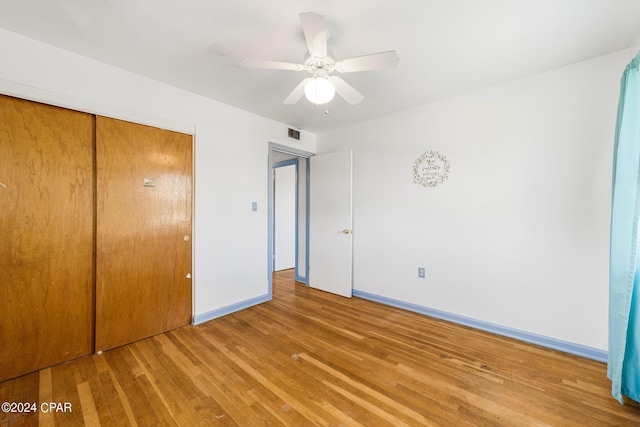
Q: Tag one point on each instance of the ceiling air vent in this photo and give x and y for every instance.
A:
(292, 133)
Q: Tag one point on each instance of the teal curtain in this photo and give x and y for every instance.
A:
(624, 267)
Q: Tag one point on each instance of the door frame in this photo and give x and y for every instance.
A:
(300, 154)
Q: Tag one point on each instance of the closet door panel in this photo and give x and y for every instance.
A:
(144, 196)
(47, 236)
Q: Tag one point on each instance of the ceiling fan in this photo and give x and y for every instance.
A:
(321, 87)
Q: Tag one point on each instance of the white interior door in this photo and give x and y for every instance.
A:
(330, 222)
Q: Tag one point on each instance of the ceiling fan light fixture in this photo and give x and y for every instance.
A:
(319, 90)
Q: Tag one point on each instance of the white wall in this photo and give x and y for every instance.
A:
(635, 46)
(231, 151)
(518, 236)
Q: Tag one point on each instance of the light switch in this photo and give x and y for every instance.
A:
(254, 206)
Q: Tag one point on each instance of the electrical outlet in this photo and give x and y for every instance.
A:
(421, 274)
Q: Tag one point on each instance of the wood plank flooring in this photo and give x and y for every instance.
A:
(312, 358)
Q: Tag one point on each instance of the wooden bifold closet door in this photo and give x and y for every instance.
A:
(95, 234)
(143, 254)
(46, 236)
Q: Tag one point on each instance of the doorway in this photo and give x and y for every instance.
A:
(280, 158)
(284, 218)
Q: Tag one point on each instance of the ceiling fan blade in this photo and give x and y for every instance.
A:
(375, 61)
(272, 65)
(296, 94)
(346, 91)
(315, 32)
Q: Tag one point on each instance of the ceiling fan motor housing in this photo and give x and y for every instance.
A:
(320, 66)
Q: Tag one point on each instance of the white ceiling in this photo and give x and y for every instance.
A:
(446, 47)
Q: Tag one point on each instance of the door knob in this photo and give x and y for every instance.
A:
(346, 231)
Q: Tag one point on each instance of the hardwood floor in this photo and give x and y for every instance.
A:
(312, 358)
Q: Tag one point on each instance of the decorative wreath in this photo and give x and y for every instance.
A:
(430, 169)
